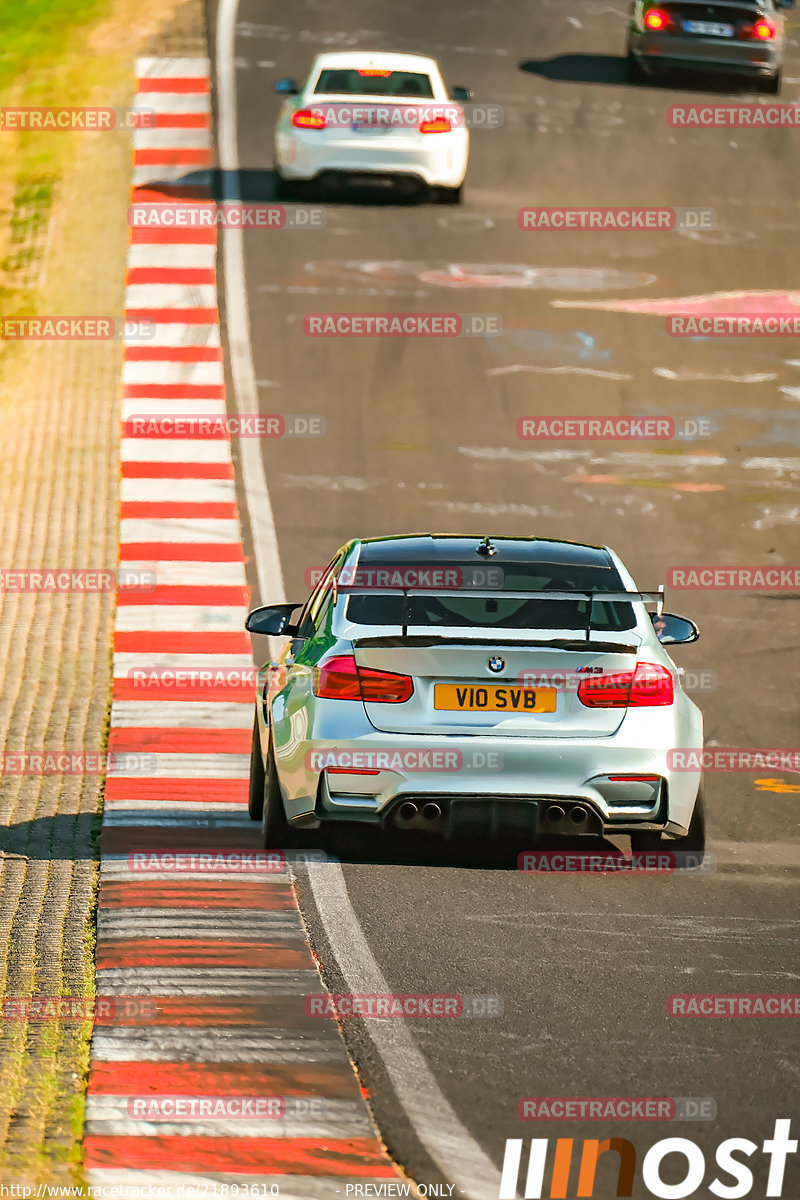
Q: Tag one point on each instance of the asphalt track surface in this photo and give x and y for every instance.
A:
(421, 435)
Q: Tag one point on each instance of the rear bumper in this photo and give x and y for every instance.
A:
(438, 160)
(736, 58)
(495, 783)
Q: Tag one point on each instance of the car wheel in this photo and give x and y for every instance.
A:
(633, 69)
(276, 832)
(771, 86)
(289, 189)
(255, 798)
(283, 188)
(693, 843)
(448, 195)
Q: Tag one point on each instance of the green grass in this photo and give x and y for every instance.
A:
(37, 33)
(48, 60)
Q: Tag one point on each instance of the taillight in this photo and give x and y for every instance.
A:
(649, 685)
(340, 678)
(437, 125)
(656, 20)
(762, 30)
(308, 118)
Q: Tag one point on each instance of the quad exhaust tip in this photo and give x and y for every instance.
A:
(407, 811)
(555, 813)
(578, 815)
(431, 811)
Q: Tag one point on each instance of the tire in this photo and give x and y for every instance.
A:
(289, 189)
(694, 841)
(283, 189)
(771, 86)
(633, 70)
(448, 195)
(255, 798)
(276, 832)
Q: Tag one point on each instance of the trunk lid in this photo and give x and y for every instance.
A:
(457, 673)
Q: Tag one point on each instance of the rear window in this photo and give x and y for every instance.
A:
(349, 81)
(726, 14)
(458, 609)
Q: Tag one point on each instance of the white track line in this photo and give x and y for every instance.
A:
(176, 334)
(177, 254)
(155, 67)
(195, 491)
(195, 574)
(162, 371)
(180, 618)
(175, 450)
(173, 102)
(449, 1144)
(165, 407)
(181, 714)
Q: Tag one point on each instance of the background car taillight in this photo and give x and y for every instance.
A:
(437, 125)
(307, 118)
(649, 685)
(762, 31)
(656, 19)
(340, 678)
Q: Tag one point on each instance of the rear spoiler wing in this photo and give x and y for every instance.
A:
(590, 594)
(391, 641)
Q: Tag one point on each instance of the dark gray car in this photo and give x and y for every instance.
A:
(736, 37)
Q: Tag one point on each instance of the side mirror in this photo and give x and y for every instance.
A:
(287, 87)
(674, 631)
(273, 620)
(463, 94)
